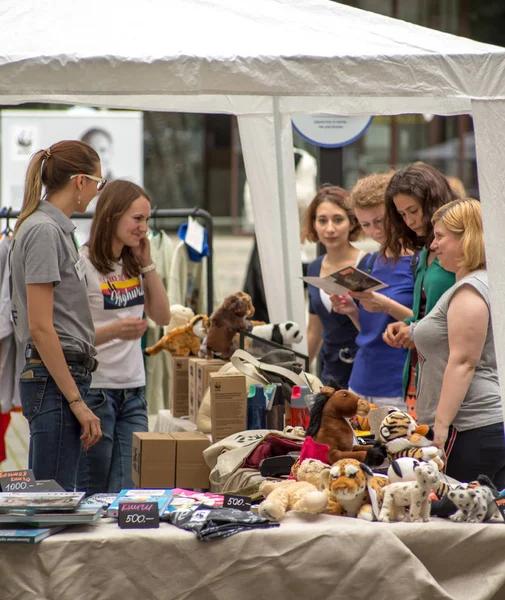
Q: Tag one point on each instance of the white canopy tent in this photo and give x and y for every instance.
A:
(263, 61)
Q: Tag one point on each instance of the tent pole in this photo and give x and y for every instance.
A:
(282, 203)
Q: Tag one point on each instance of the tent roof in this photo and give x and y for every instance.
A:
(261, 48)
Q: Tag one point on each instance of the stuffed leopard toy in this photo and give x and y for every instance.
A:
(414, 495)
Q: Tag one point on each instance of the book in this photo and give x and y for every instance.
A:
(74, 517)
(185, 499)
(35, 502)
(100, 499)
(348, 279)
(161, 496)
(31, 535)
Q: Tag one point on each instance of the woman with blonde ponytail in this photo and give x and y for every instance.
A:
(50, 309)
(458, 391)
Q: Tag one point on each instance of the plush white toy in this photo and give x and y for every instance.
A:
(180, 316)
(286, 334)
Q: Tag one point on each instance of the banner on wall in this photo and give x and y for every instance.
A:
(331, 131)
(117, 136)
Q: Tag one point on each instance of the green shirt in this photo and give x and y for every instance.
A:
(434, 280)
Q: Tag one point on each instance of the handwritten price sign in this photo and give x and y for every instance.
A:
(135, 515)
(17, 481)
(238, 502)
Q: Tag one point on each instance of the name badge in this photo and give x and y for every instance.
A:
(80, 268)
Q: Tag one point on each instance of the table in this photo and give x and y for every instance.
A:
(309, 556)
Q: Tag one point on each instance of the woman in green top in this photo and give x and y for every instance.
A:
(413, 196)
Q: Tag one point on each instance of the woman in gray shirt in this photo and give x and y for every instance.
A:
(50, 309)
(458, 391)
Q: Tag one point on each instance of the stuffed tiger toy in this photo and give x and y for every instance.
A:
(349, 485)
(403, 437)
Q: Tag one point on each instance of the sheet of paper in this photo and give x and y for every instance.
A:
(194, 235)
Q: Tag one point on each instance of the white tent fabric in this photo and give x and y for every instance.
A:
(263, 61)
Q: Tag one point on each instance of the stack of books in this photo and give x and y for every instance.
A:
(33, 516)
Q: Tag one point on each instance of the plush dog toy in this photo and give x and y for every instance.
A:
(225, 322)
(414, 495)
(181, 341)
(350, 485)
(286, 334)
(282, 496)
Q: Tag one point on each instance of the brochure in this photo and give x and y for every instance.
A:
(74, 517)
(186, 499)
(34, 502)
(28, 535)
(162, 497)
(348, 279)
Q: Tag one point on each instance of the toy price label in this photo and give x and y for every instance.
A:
(138, 515)
(500, 503)
(17, 481)
(238, 502)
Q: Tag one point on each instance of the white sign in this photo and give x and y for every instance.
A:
(330, 131)
(117, 136)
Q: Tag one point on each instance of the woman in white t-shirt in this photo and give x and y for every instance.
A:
(122, 285)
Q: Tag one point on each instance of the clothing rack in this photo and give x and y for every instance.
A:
(7, 213)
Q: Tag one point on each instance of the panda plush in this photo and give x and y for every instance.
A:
(286, 333)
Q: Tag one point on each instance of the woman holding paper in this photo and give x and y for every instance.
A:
(377, 372)
(122, 284)
(413, 195)
(330, 221)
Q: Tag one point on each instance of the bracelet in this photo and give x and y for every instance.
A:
(148, 269)
(76, 400)
(388, 305)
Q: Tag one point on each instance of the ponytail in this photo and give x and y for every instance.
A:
(52, 168)
(33, 188)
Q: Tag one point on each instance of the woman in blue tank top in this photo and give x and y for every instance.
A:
(330, 220)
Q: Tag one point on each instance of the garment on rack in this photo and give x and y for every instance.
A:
(188, 281)
(157, 367)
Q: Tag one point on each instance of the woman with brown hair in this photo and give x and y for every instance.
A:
(50, 309)
(330, 221)
(122, 284)
(413, 195)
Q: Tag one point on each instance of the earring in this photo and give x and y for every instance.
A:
(79, 200)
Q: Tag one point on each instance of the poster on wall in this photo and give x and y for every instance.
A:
(117, 136)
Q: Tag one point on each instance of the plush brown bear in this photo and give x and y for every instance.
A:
(226, 321)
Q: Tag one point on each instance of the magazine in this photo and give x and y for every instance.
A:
(348, 279)
(100, 499)
(162, 497)
(29, 535)
(34, 502)
(185, 499)
(73, 517)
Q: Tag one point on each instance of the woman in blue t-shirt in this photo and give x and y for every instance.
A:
(377, 371)
(330, 220)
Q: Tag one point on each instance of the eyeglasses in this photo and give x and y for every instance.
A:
(101, 181)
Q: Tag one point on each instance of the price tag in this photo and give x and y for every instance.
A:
(17, 481)
(194, 235)
(500, 503)
(135, 515)
(238, 502)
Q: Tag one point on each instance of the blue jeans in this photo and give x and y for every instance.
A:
(107, 466)
(55, 443)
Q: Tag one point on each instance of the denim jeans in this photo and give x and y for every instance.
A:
(55, 443)
(107, 466)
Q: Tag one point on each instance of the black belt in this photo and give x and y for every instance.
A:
(88, 362)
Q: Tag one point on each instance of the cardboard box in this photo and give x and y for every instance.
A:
(179, 391)
(228, 404)
(153, 460)
(203, 370)
(192, 410)
(191, 470)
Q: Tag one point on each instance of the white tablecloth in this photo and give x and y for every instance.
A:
(309, 557)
